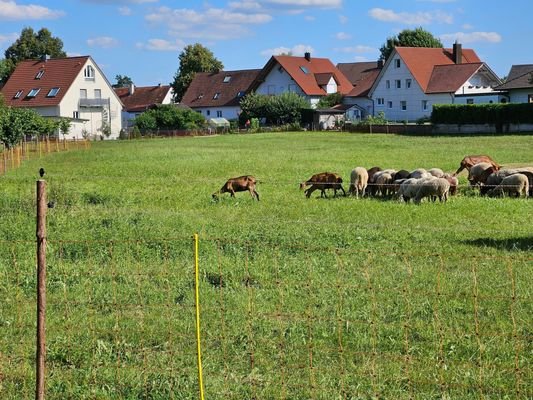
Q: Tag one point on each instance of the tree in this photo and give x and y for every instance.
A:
(330, 100)
(194, 58)
(168, 116)
(122, 81)
(409, 38)
(285, 108)
(30, 45)
(15, 122)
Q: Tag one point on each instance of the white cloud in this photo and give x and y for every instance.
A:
(213, 23)
(472, 37)
(418, 18)
(120, 1)
(162, 45)
(290, 6)
(124, 10)
(105, 42)
(306, 3)
(355, 49)
(343, 19)
(343, 36)
(10, 10)
(297, 50)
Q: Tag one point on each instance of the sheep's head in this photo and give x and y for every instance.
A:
(215, 196)
(302, 186)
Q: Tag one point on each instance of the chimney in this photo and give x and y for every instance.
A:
(131, 88)
(307, 56)
(457, 52)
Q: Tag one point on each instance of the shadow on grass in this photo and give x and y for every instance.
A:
(512, 244)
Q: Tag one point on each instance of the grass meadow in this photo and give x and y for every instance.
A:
(336, 298)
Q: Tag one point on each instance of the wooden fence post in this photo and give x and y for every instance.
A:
(41, 290)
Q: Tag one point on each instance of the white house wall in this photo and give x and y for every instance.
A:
(230, 113)
(364, 102)
(278, 81)
(90, 119)
(520, 95)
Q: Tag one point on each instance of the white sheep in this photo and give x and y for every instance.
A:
(436, 172)
(433, 187)
(419, 173)
(516, 185)
(408, 189)
(476, 171)
(384, 183)
(358, 181)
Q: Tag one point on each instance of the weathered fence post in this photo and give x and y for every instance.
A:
(41, 289)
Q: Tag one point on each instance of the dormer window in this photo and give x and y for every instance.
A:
(88, 72)
(53, 92)
(18, 94)
(227, 78)
(304, 69)
(241, 93)
(33, 92)
(216, 96)
(39, 74)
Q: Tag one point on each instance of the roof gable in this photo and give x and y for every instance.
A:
(449, 78)
(222, 89)
(307, 72)
(44, 75)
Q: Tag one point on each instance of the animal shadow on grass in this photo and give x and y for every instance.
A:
(513, 244)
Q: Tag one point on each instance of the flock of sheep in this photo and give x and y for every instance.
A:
(483, 172)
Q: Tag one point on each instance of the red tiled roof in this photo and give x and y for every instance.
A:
(362, 75)
(143, 97)
(58, 73)
(449, 78)
(224, 88)
(296, 67)
(422, 60)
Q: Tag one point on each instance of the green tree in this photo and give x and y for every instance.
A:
(330, 100)
(15, 122)
(122, 81)
(64, 126)
(253, 105)
(285, 108)
(168, 116)
(409, 38)
(194, 58)
(30, 45)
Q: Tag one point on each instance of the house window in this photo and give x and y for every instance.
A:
(398, 84)
(403, 105)
(397, 63)
(387, 84)
(208, 112)
(97, 93)
(219, 114)
(304, 69)
(216, 96)
(76, 114)
(227, 78)
(469, 101)
(33, 92)
(53, 92)
(408, 83)
(88, 72)
(424, 105)
(18, 94)
(389, 104)
(241, 93)
(83, 93)
(381, 101)
(39, 74)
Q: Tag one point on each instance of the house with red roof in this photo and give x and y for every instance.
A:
(310, 77)
(413, 79)
(519, 84)
(217, 94)
(71, 87)
(138, 99)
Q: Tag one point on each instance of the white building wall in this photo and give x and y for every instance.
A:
(278, 81)
(229, 113)
(90, 119)
(363, 102)
(520, 95)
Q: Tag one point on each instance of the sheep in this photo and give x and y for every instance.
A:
(408, 189)
(516, 184)
(469, 161)
(494, 179)
(433, 187)
(371, 188)
(358, 181)
(401, 174)
(383, 183)
(476, 172)
(454, 183)
(239, 184)
(436, 172)
(419, 173)
(323, 181)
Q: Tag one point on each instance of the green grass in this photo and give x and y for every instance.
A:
(301, 298)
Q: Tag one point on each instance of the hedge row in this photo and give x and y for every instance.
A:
(497, 114)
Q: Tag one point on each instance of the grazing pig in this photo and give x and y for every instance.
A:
(239, 184)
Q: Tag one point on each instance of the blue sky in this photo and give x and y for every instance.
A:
(143, 38)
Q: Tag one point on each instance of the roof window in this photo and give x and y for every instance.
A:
(53, 92)
(304, 69)
(227, 78)
(39, 74)
(241, 93)
(18, 94)
(33, 92)
(216, 96)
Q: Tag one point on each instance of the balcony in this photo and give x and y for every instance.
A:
(93, 103)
